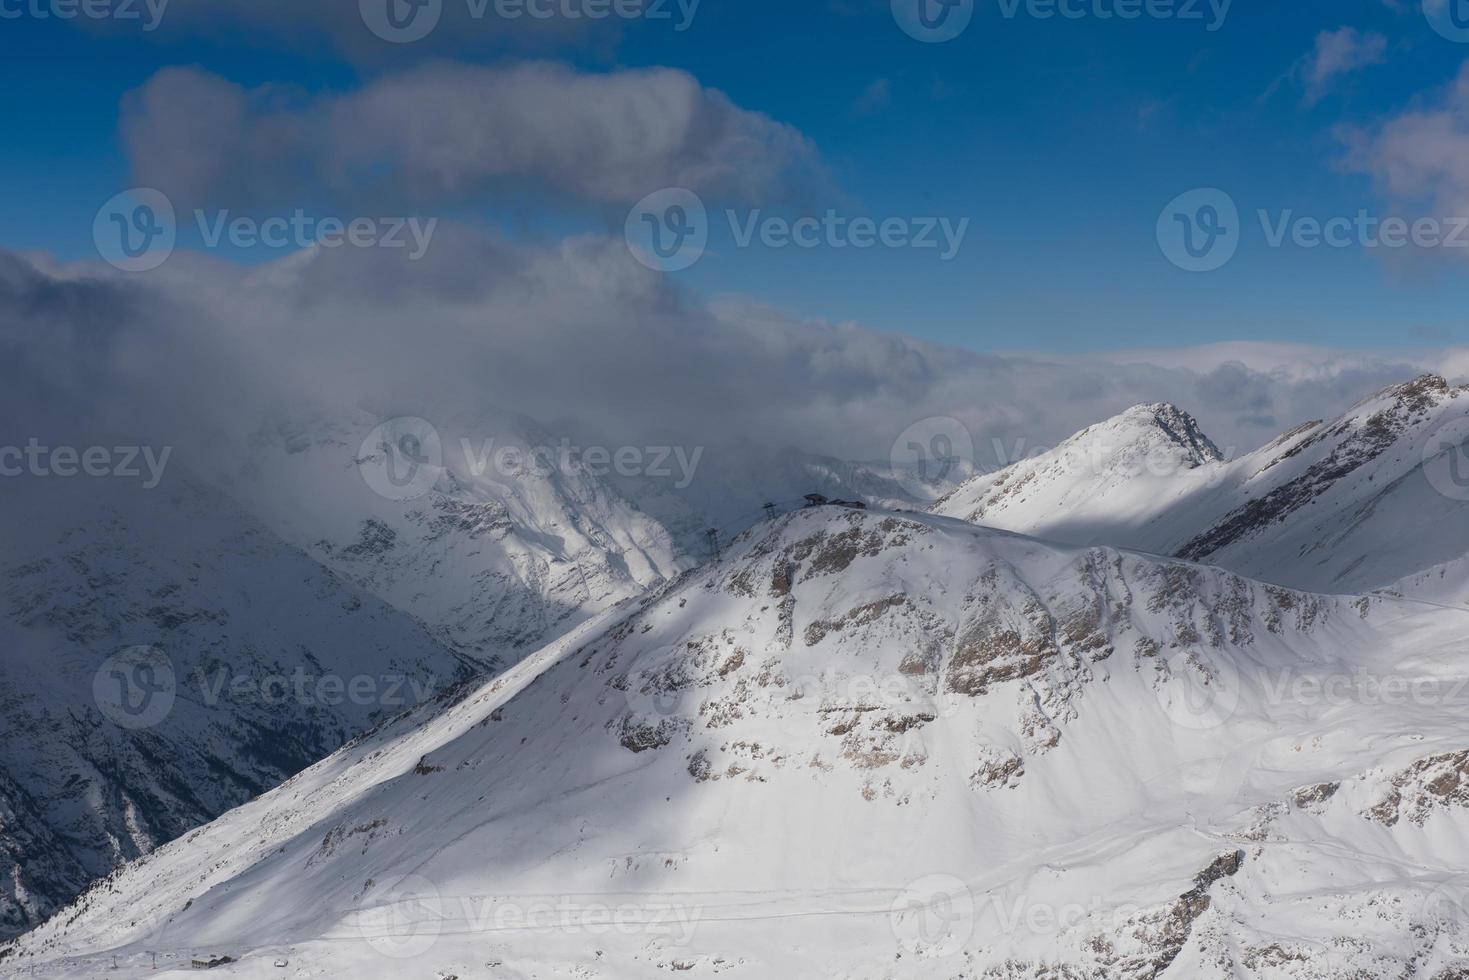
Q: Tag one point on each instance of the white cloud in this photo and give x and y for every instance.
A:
(1339, 53)
(1422, 154)
(579, 335)
(453, 133)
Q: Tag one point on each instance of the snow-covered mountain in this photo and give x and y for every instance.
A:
(307, 558)
(499, 540)
(163, 658)
(866, 745)
(510, 534)
(1354, 504)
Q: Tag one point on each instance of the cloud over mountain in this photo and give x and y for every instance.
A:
(583, 338)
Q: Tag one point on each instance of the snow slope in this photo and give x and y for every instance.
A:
(496, 554)
(493, 554)
(1344, 506)
(500, 554)
(163, 658)
(865, 745)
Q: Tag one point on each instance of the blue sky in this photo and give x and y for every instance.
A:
(1060, 142)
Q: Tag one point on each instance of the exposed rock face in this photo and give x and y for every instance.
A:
(1338, 450)
(1435, 783)
(1090, 749)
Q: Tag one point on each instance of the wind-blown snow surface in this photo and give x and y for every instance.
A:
(163, 658)
(1344, 506)
(865, 745)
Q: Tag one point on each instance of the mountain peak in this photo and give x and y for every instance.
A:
(1179, 426)
(1101, 472)
(1424, 383)
(1417, 396)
